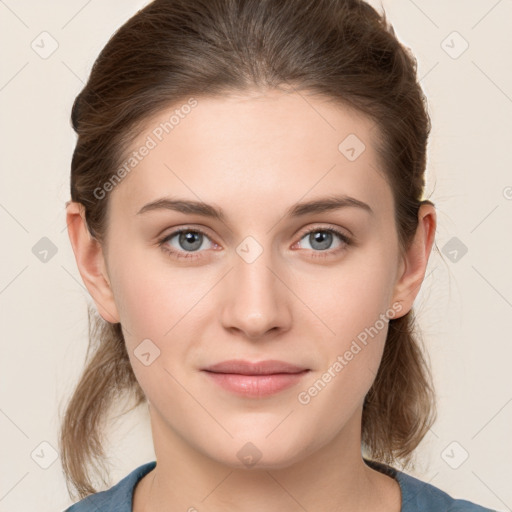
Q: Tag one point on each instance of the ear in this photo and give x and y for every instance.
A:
(90, 261)
(414, 262)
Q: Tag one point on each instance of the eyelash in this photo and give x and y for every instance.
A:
(191, 255)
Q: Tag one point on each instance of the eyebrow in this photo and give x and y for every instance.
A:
(206, 210)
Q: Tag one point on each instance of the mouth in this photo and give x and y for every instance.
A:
(255, 379)
(241, 367)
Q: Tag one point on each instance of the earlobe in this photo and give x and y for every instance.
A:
(414, 263)
(90, 261)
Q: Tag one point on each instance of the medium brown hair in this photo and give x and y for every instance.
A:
(172, 50)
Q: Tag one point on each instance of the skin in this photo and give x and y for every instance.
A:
(255, 155)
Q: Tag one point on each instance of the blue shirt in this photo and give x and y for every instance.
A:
(417, 496)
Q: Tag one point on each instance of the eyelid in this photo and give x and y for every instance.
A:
(328, 227)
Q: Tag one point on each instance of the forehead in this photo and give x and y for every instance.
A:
(272, 149)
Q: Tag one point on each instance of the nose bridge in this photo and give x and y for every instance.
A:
(255, 299)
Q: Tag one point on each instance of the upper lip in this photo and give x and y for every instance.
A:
(241, 367)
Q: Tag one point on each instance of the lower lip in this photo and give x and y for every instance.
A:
(256, 385)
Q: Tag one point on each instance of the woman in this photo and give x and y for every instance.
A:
(285, 142)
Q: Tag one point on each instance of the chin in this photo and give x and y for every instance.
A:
(260, 452)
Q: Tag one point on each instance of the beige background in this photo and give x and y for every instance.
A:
(465, 306)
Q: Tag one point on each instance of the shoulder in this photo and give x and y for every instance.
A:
(116, 499)
(419, 496)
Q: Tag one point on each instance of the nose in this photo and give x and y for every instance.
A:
(256, 299)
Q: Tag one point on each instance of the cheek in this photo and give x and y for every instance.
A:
(352, 308)
(150, 295)
(350, 342)
(159, 303)
(144, 307)
(156, 312)
(351, 297)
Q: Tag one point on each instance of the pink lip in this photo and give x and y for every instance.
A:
(242, 367)
(255, 379)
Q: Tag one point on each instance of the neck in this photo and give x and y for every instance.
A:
(332, 477)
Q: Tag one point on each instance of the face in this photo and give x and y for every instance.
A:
(312, 287)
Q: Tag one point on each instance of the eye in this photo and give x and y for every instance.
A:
(183, 243)
(187, 241)
(321, 239)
